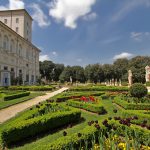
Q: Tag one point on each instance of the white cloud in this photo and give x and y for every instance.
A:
(90, 16)
(139, 36)
(69, 11)
(13, 4)
(44, 57)
(54, 53)
(39, 16)
(123, 55)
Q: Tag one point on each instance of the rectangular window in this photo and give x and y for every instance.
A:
(17, 29)
(5, 21)
(12, 69)
(5, 68)
(17, 20)
(20, 71)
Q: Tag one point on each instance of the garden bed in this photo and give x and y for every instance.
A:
(90, 104)
(131, 106)
(96, 136)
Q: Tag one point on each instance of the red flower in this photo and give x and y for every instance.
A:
(83, 98)
(92, 98)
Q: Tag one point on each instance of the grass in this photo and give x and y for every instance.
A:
(4, 104)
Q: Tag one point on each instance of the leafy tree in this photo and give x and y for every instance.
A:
(78, 73)
(94, 73)
(137, 65)
(57, 70)
(108, 71)
(66, 74)
(46, 69)
(121, 68)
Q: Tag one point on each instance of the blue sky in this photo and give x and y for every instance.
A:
(77, 32)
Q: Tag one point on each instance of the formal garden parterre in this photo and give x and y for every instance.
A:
(90, 118)
(16, 94)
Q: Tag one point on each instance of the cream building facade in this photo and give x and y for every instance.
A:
(19, 58)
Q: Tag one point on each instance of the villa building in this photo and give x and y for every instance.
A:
(19, 58)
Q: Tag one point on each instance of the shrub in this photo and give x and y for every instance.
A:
(138, 90)
(126, 105)
(14, 96)
(32, 88)
(21, 129)
(96, 108)
(100, 88)
(147, 83)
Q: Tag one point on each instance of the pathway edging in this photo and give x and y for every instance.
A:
(13, 110)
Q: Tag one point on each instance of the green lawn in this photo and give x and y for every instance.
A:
(4, 104)
(76, 128)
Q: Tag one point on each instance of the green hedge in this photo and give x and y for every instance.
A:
(140, 114)
(147, 83)
(14, 96)
(130, 106)
(90, 133)
(20, 130)
(31, 88)
(100, 88)
(68, 142)
(96, 108)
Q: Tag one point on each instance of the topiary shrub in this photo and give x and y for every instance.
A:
(138, 90)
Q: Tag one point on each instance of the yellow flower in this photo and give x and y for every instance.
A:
(145, 147)
(122, 146)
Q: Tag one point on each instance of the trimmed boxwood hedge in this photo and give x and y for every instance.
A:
(90, 132)
(100, 88)
(22, 129)
(14, 96)
(130, 106)
(32, 88)
(140, 114)
(96, 108)
(68, 142)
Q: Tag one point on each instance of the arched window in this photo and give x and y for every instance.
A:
(12, 46)
(6, 43)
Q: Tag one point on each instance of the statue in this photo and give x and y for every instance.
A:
(130, 77)
(147, 76)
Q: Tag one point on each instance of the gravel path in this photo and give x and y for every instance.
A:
(11, 111)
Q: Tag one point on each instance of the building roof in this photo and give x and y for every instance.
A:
(5, 26)
(17, 10)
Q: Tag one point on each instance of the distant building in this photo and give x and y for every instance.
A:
(147, 68)
(19, 58)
